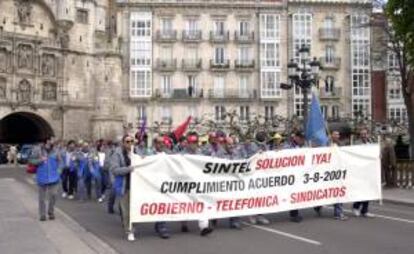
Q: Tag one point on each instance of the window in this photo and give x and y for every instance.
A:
(192, 86)
(392, 62)
(166, 26)
(361, 107)
(394, 88)
(360, 26)
(269, 26)
(302, 32)
(360, 54)
(244, 113)
(166, 89)
(269, 113)
(328, 23)
(397, 113)
(193, 111)
(219, 87)
(166, 114)
(335, 112)
(141, 28)
(329, 54)
(243, 86)
(324, 110)
(49, 91)
(220, 113)
(219, 56)
(219, 27)
(141, 53)
(141, 112)
(270, 55)
(82, 16)
(299, 107)
(140, 84)
(244, 28)
(270, 81)
(192, 27)
(244, 55)
(360, 82)
(329, 84)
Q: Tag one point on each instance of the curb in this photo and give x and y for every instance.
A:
(399, 202)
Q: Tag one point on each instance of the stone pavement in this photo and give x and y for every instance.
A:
(22, 232)
(398, 196)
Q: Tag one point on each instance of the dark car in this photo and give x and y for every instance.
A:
(24, 154)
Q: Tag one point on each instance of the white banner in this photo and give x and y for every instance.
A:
(191, 187)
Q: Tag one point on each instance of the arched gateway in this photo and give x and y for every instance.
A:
(23, 128)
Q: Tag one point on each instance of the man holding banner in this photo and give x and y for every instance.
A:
(120, 166)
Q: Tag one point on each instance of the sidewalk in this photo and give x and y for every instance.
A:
(22, 232)
(398, 196)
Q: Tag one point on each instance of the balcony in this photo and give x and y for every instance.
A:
(166, 120)
(335, 93)
(219, 65)
(244, 65)
(192, 36)
(166, 36)
(329, 34)
(191, 65)
(244, 38)
(232, 94)
(219, 37)
(333, 63)
(166, 64)
(180, 94)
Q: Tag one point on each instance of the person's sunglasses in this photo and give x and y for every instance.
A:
(128, 141)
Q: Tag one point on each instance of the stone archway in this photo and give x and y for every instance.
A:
(24, 128)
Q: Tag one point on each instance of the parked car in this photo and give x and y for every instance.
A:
(24, 154)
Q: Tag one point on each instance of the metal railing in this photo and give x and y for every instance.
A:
(192, 35)
(191, 64)
(329, 34)
(166, 35)
(219, 65)
(216, 36)
(244, 64)
(332, 63)
(166, 64)
(180, 94)
(244, 38)
(232, 94)
(336, 92)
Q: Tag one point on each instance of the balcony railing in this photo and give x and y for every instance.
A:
(244, 38)
(219, 65)
(180, 94)
(244, 64)
(166, 64)
(166, 35)
(228, 94)
(192, 35)
(166, 120)
(332, 34)
(191, 64)
(221, 37)
(332, 63)
(336, 92)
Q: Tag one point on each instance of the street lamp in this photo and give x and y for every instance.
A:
(303, 77)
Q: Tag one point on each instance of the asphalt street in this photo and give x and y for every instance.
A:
(392, 231)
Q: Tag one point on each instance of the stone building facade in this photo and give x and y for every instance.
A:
(95, 68)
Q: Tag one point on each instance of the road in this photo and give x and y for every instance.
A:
(392, 231)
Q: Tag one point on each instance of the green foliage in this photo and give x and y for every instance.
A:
(401, 15)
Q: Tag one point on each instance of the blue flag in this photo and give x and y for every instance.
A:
(315, 127)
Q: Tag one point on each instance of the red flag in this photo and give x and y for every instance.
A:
(179, 132)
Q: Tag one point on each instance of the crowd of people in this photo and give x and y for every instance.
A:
(101, 170)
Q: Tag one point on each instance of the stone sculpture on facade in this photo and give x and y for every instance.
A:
(48, 63)
(3, 60)
(25, 57)
(24, 11)
(24, 94)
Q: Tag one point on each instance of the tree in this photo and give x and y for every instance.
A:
(399, 30)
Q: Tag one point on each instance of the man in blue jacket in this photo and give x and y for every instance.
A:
(47, 175)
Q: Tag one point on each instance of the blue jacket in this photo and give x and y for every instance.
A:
(47, 171)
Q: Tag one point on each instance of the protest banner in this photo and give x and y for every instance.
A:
(191, 187)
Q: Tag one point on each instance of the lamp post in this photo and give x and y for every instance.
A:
(303, 75)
